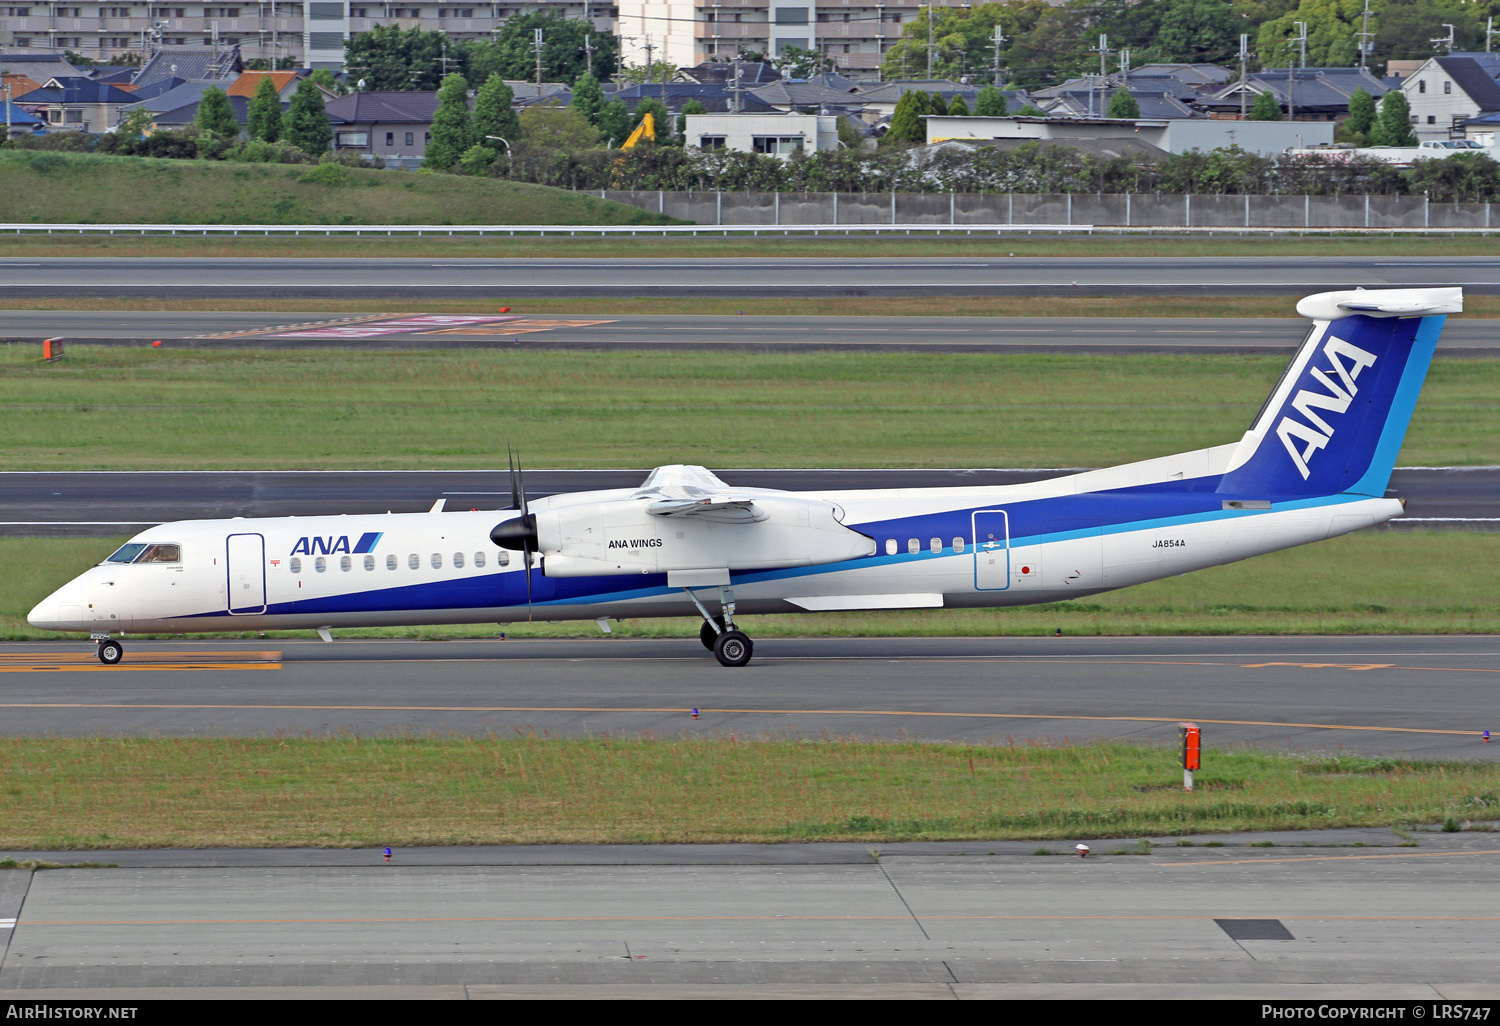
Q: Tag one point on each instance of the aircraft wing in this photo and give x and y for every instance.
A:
(680, 490)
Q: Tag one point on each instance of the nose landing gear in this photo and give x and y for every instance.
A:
(110, 652)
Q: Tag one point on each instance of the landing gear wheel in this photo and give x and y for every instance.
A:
(111, 652)
(708, 635)
(733, 648)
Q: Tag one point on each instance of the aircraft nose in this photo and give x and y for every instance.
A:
(60, 611)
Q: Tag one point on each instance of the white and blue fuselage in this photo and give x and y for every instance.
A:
(1315, 464)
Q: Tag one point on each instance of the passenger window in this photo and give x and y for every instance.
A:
(414, 561)
(391, 562)
(320, 564)
(913, 546)
(958, 544)
(295, 566)
(890, 546)
(437, 560)
(369, 562)
(936, 545)
(479, 559)
(503, 558)
(458, 561)
(345, 563)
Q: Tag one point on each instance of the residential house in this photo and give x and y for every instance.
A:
(394, 126)
(1446, 92)
(1309, 94)
(76, 104)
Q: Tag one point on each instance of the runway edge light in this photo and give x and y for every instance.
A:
(1191, 745)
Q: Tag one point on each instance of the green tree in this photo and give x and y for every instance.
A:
(958, 108)
(1122, 105)
(1265, 108)
(907, 127)
(1393, 125)
(326, 78)
(493, 116)
(134, 123)
(215, 114)
(389, 57)
(614, 122)
(588, 97)
(557, 127)
(796, 62)
(265, 112)
(990, 103)
(1361, 117)
(476, 161)
(963, 40)
(691, 107)
(452, 129)
(1197, 31)
(564, 59)
(306, 126)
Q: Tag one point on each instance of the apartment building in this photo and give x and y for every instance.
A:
(855, 33)
(310, 32)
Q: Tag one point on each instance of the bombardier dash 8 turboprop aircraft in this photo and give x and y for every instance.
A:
(1314, 464)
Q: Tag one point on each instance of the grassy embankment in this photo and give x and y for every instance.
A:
(108, 408)
(366, 792)
(54, 188)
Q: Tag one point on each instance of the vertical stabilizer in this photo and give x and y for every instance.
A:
(1337, 417)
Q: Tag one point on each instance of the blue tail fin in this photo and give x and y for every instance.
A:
(1337, 417)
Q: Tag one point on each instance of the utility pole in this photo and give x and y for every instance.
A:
(588, 52)
(1302, 43)
(1448, 39)
(537, 48)
(1103, 53)
(999, 38)
(1291, 99)
(1244, 58)
(931, 17)
(1365, 36)
(1489, 31)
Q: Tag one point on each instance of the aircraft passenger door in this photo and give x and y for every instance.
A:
(245, 568)
(991, 550)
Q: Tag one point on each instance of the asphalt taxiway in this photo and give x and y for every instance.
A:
(1368, 914)
(1415, 697)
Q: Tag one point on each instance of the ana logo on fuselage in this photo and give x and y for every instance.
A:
(1346, 361)
(332, 545)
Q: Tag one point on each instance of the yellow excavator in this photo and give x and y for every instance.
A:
(645, 130)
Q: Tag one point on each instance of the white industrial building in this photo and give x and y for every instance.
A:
(778, 134)
(1174, 135)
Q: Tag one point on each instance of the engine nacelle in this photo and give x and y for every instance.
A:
(623, 537)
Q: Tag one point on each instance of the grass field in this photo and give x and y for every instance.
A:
(364, 792)
(111, 408)
(1375, 582)
(53, 188)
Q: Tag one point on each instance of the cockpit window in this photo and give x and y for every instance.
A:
(127, 553)
(145, 552)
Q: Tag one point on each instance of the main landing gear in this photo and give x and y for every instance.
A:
(110, 652)
(730, 645)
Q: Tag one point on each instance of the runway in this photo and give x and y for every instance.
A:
(429, 278)
(108, 504)
(1412, 697)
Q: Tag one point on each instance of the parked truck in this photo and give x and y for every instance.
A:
(1401, 156)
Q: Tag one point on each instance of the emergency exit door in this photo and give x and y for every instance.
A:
(245, 568)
